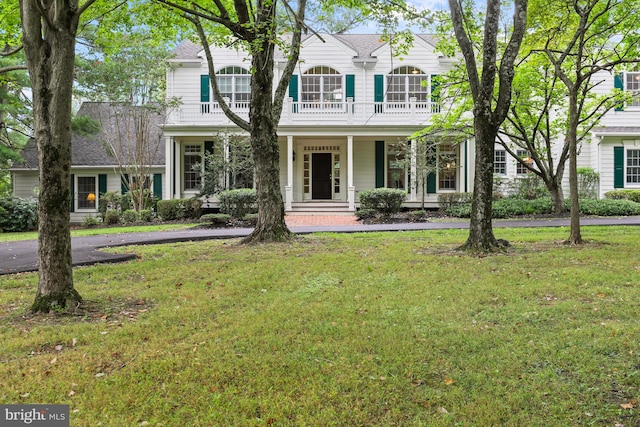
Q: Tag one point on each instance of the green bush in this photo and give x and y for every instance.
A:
(528, 187)
(175, 209)
(633, 195)
(146, 215)
(251, 218)
(18, 214)
(111, 200)
(446, 200)
(386, 201)
(588, 182)
(239, 202)
(512, 207)
(365, 213)
(130, 216)
(90, 221)
(218, 219)
(111, 217)
(608, 207)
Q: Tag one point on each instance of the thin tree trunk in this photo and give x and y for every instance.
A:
(557, 196)
(575, 235)
(50, 58)
(271, 225)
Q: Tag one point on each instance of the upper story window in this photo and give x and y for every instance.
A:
(405, 83)
(322, 87)
(192, 158)
(632, 84)
(234, 84)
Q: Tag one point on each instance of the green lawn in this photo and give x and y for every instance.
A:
(369, 329)
(32, 235)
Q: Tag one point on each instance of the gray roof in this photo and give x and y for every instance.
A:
(363, 44)
(92, 150)
(617, 130)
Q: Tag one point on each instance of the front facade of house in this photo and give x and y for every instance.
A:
(350, 109)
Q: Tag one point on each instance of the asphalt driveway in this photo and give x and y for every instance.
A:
(21, 256)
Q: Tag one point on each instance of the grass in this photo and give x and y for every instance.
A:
(358, 330)
(33, 235)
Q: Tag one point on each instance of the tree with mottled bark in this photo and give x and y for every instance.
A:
(581, 39)
(255, 26)
(490, 104)
(49, 30)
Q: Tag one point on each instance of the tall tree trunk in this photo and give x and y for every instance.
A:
(481, 237)
(575, 235)
(50, 54)
(271, 225)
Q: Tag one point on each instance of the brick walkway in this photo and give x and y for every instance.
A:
(320, 220)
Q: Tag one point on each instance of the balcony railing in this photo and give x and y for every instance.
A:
(348, 112)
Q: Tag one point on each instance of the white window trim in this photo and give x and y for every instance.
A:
(76, 196)
(185, 190)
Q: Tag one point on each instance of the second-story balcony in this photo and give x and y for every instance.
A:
(348, 112)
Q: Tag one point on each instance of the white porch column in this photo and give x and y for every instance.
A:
(414, 171)
(168, 168)
(288, 191)
(351, 196)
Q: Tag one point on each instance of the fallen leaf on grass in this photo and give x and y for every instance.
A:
(629, 405)
(449, 381)
(442, 410)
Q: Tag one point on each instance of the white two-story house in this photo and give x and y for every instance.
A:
(350, 103)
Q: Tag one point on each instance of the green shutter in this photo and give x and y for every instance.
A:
(293, 91)
(102, 186)
(431, 183)
(379, 164)
(124, 184)
(73, 192)
(378, 91)
(618, 83)
(204, 88)
(351, 86)
(435, 90)
(618, 167)
(157, 186)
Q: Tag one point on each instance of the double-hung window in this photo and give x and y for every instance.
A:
(526, 157)
(234, 84)
(447, 170)
(192, 158)
(632, 84)
(405, 83)
(500, 162)
(86, 192)
(322, 88)
(633, 166)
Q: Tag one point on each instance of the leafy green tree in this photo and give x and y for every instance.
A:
(580, 39)
(490, 79)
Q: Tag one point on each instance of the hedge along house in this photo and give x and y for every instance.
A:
(350, 110)
(102, 161)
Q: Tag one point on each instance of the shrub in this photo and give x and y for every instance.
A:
(633, 195)
(365, 213)
(446, 200)
(251, 218)
(608, 207)
(18, 214)
(174, 209)
(416, 216)
(111, 200)
(386, 201)
(528, 187)
(130, 216)
(146, 215)
(90, 221)
(218, 219)
(112, 217)
(239, 202)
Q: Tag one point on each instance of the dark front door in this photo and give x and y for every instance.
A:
(321, 176)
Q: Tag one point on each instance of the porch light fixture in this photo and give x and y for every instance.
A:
(91, 197)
